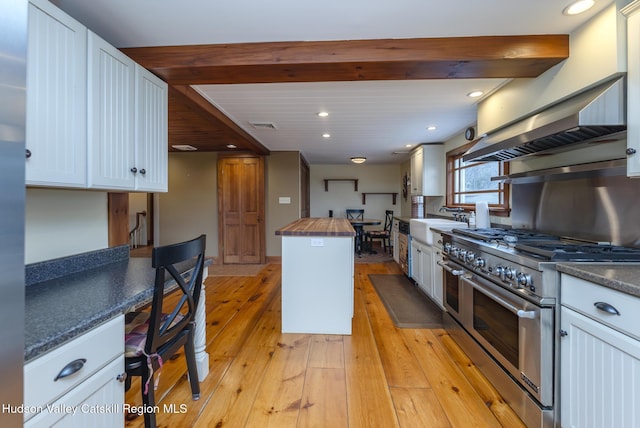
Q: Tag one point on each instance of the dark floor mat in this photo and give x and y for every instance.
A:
(407, 306)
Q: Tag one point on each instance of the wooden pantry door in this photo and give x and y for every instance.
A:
(241, 209)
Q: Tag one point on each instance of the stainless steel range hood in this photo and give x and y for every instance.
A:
(599, 113)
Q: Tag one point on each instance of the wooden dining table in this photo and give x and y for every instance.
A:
(358, 226)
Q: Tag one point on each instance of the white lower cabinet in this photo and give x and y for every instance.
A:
(438, 276)
(421, 266)
(416, 262)
(78, 384)
(600, 357)
(96, 402)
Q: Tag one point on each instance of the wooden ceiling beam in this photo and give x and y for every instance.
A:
(216, 119)
(194, 121)
(352, 60)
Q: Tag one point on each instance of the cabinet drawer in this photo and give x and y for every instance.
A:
(98, 347)
(97, 402)
(582, 296)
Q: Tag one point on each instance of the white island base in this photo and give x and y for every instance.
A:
(317, 284)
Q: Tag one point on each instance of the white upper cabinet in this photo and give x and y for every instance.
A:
(151, 132)
(428, 170)
(56, 137)
(111, 140)
(632, 11)
(127, 122)
(95, 118)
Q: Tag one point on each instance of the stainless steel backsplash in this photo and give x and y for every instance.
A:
(603, 209)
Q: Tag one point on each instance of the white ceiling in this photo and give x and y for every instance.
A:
(371, 119)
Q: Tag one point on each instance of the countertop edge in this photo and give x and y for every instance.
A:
(623, 277)
(43, 343)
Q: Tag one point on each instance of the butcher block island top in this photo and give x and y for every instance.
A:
(318, 226)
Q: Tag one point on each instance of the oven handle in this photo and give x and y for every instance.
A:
(519, 312)
(454, 272)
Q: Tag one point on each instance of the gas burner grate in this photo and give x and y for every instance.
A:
(582, 252)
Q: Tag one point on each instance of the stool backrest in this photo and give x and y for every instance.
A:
(355, 214)
(165, 260)
(388, 220)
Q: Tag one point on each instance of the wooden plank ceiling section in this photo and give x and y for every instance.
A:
(194, 121)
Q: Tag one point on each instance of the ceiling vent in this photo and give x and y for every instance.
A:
(184, 147)
(263, 125)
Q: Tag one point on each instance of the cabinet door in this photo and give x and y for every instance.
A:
(433, 172)
(151, 132)
(416, 263)
(438, 277)
(56, 98)
(428, 170)
(111, 111)
(633, 90)
(97, 402)
(416, 171)
(600, 374)
(427, 271)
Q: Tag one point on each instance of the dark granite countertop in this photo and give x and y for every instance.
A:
(624, 277)
(68, 296)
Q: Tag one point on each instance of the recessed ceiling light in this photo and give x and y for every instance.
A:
(358, 159)
(184, 147)
(326, 135)
(431, 128)
(408, 145)
(231, 146)
(578, 7)
(475, 94)
(323, 114)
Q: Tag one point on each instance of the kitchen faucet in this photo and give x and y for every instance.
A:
(457, 213)
(451, 210)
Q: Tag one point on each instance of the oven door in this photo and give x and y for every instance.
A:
(515, 332)
(453, 292)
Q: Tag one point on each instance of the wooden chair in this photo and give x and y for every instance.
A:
(154, 336)
(384, 234)
(353, 214)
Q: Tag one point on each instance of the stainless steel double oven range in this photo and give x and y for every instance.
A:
(501, 291)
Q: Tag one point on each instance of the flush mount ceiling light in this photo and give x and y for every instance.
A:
(431, 128)
(231, 146)
(184, 147)
(326, 135)
(578, 7)
(475, 94)
(358, 159)
(408, 145)
(323, 114)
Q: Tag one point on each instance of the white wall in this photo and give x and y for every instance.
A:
(341, 194)
(61, 223)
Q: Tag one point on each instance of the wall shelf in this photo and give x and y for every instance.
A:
(394, 196)
(327, 180)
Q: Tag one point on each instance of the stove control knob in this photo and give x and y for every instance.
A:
(454, 251)
(499, 271)
(524, 280)
(447, 247)
(471, 256)
(479, 262)
(508, 273)
(462, 255)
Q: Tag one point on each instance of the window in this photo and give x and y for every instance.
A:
(470, 182)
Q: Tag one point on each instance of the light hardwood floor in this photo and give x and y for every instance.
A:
(380, 376)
